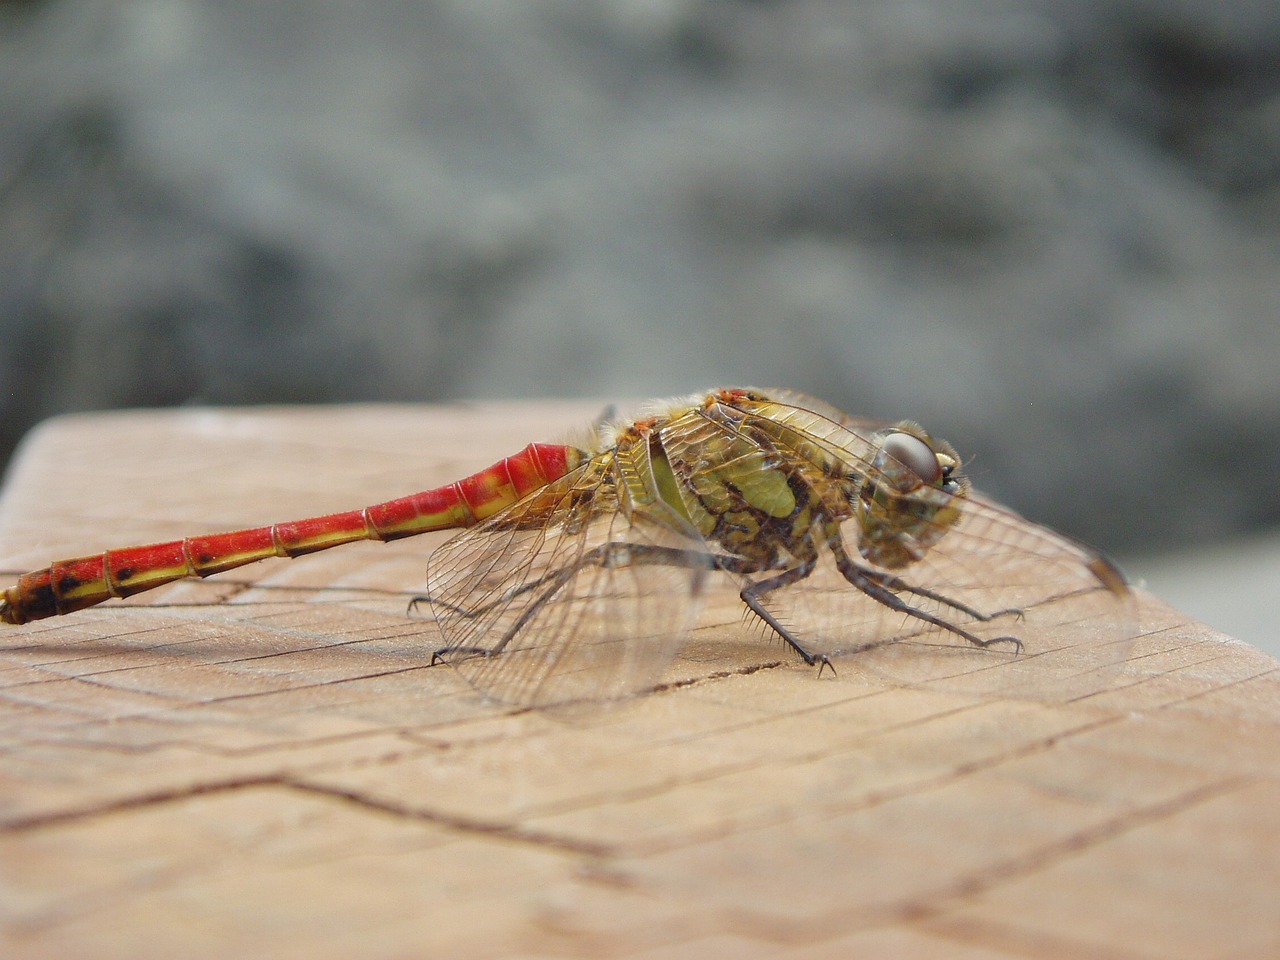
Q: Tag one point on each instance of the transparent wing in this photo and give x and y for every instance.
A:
(802, 401)
(565, 596)
(1060, 614)
(1057, 617)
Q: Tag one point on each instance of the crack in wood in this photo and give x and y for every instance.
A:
(867, 801)
(124, 749)
(460, 824)
(718, 675)
(1217, 688)
(927, 908)
(1020, 941)
(1044, 856)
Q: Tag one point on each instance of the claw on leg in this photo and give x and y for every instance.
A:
(884, 588)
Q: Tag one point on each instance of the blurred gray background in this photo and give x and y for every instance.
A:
(1048, 229)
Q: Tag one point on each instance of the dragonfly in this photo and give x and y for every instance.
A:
(580, 569)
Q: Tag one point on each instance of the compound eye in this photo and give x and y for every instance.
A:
(915, 454)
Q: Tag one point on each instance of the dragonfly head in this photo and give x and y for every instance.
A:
(910, 497)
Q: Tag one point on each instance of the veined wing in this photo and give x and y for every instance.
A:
(991, 574)
(570, 594)
(803, 401)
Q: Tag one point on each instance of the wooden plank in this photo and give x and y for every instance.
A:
(265, 763)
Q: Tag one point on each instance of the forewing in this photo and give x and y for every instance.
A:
(802, 401)
(1058, 616)
(564, 596)
(1066, 610)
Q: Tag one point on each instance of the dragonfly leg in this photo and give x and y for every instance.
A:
(612, 554)
(610, 412)
(752, 593)
(898, 585)
(880, 587)
(479, 611)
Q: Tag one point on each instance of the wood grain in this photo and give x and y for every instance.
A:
(266, 764)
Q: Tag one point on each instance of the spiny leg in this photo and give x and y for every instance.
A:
(610, 412)
(484, 608)
(752, 593)
(612, 554)
(898, 585)
(880, 588)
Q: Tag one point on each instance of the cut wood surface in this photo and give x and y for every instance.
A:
(265, 763)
